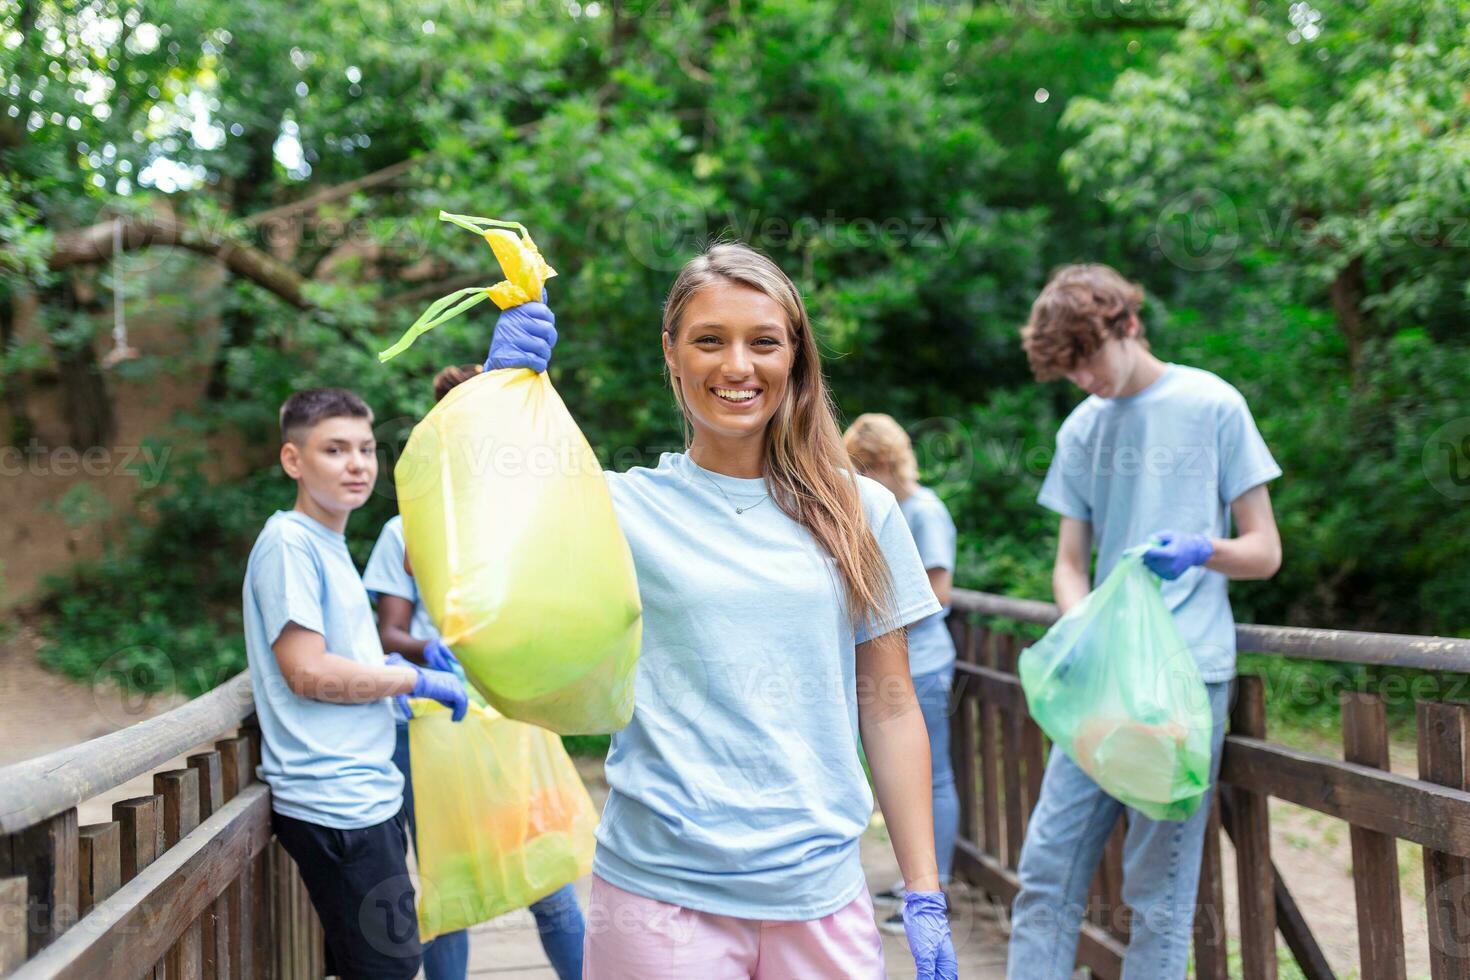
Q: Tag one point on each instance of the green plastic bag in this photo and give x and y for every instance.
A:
(1115, 686)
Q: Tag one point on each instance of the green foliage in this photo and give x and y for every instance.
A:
(1285, 181)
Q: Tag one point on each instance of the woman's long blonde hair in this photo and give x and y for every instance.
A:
(876, 440)
(806, 466)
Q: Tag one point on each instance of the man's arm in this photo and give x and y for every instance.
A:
(1070, 581)
(311, 671)
(395, 614)
(941, 580)
(1255, 551)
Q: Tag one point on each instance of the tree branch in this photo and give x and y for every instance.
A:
(336, 192)
(94, 243)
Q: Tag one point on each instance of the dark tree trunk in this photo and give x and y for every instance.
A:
(89, 415)
(22, 426)
(85, 402)
(1347, 292)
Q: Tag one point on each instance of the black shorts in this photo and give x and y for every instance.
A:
(358, 882)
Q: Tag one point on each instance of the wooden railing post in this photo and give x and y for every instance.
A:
(1444, 730)
(989, 758)
(1210, 961)
(236, 773)
(1010, 756)
(962, 733)
(98, 863)
(180, 791)
(12, 924)
(1375, 855)
(45, 855)
(214, 933)
(1253, 845)
(140, 823)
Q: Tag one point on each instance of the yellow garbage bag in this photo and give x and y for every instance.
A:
(516, 550)
(502, 816)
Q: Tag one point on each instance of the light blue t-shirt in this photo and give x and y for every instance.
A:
(385, 575)
(1171, 458)
(931, 647)
(328, 764)
(737, 788)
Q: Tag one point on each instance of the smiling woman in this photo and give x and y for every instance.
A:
(736, 792)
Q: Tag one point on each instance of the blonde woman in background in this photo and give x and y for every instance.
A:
(881, 450)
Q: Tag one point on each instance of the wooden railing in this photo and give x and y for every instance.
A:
(1000, 755)
(185, 882)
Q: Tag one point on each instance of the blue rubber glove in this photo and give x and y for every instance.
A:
(440, 657)
(1177, 553)
(927, 928)
(524, 337)
(433, 684)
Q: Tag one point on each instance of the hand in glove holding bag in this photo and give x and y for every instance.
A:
(1177, 553)
(927, 927)
(440, 657)
(437, 685)
(524, 337)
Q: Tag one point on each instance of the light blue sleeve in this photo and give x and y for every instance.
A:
(1066, 489)
(913, 597)
(935, 535)
(287, 581)
(385, 574)
(1245, 460)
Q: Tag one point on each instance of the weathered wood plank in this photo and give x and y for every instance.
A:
(146, 916)
(233, 906)
(43, 787)
(1210, 942)
(994, 686)
(235, 765)
(140, 837)
(1289, 919)
(213, 942)
(1438, 817)
(1375, 855)
(45, 855)
(989, 755)
(1253, 845)
(12, 924)
(140, 821)
(180, 791)
(1437, 653)
(1444, 731)
(99, 863)
(962, 732)
(1011, 755)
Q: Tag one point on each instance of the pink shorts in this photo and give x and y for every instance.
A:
(630, 937)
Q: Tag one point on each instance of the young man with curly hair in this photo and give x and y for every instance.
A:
(1159, 453)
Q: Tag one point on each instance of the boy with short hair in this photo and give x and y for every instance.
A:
(322, 690)
(1160, 453)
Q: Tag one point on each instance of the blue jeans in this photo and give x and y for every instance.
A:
(933, 691)
(1064, 842)
(558, 917)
